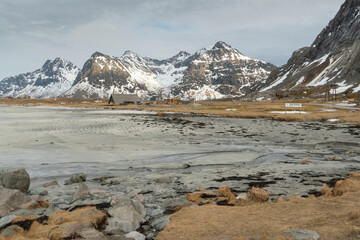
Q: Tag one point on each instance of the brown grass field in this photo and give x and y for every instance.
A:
(236, 109)
(334, 216)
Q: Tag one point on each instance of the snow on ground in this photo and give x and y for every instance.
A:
(342, 88)
(204, 93)
(299, 81)
(277, 82)
(357, 89)
(321, 78)
(346, 104)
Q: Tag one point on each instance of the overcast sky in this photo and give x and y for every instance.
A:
(32, 31)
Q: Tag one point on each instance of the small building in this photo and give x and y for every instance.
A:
(119, 99)
(24, 97)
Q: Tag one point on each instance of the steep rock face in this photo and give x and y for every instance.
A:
(221, 71)
(333, 58)
(207, 74)
(55, 77)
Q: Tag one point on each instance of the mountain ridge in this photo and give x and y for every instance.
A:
(52, 79)
(333, 59)
(221, 71)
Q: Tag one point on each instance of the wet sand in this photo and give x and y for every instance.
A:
(138, 147)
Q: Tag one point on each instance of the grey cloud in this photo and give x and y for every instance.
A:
(34, 30)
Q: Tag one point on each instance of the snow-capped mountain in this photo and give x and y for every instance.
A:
(218, 72)
(333, 58)
(55, 77)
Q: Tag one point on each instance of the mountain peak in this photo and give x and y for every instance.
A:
(221, 45)
(98, 54)
(129, 53)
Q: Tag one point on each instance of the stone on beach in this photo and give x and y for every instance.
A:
(163, 180)
(77, 178)
(90, 197)
(52, 183)
(126, 215)
(16, 178)
(12, 199)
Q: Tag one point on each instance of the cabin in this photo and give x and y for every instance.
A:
(24, 97)
(123, 99)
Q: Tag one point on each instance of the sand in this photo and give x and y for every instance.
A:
(184, 151)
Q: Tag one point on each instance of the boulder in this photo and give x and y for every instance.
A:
(126, 215)
(77, 178)
(16, 178)
(12, 199)
(4, 221)
(160, 223)
(90, 197)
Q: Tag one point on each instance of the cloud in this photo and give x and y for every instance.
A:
(74, 29)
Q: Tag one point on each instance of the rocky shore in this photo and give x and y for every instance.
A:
(127, 171)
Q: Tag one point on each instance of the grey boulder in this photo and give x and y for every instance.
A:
(12, 199)
(126, 215)
(16, 178)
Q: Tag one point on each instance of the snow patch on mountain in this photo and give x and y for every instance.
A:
(54, 78)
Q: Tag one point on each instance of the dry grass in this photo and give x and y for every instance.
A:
(234, 109)
(333, 217)
(61, 224)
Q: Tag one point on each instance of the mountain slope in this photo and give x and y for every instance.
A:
(209, 73)
(220, 72)
(333, 58)
(54, 78)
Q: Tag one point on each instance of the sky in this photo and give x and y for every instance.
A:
(32, 31)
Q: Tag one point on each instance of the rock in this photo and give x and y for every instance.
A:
(163, 180)
(257, 195)
(135, 235)
(337, 158)
(77, 178)
(139, 198)
(11, 230)
(52, 183)
(154, 211)
(305, 161)
(82, 192)
(4, 221)
(91, 234)
(112, 181)
(160, 223)
(150, 236)
(16, 178)
(126, 215)
(12, 199)
(302, 234)
(86, 197)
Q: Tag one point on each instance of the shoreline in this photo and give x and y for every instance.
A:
(312, 110)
